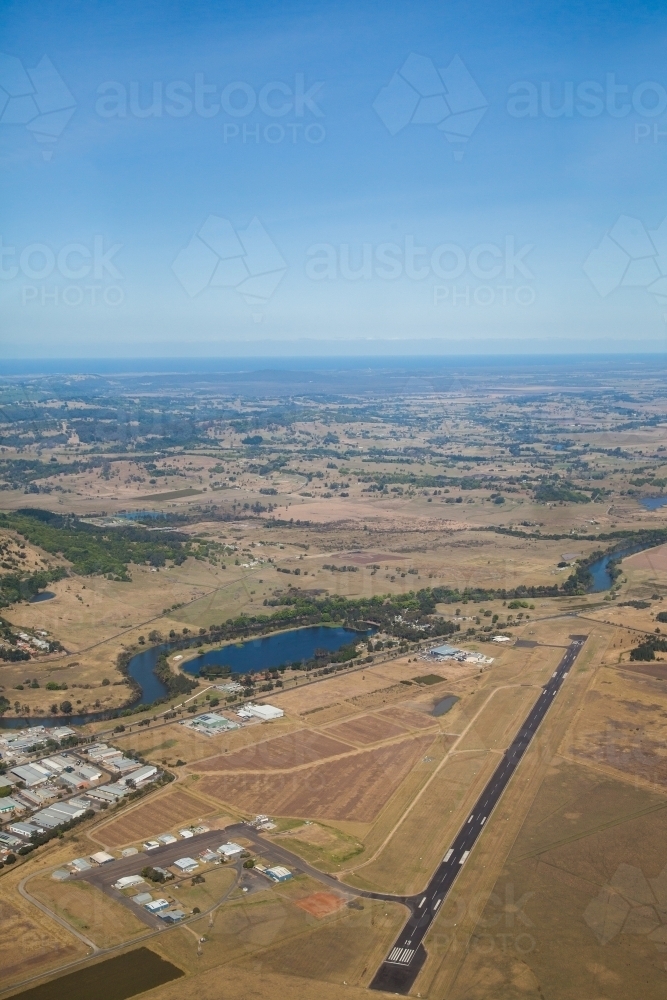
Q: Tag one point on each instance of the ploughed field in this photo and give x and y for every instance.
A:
(157, 815)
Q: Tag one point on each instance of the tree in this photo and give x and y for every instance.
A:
(66, 707)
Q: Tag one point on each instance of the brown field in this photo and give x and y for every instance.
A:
(290, 750)
(354, 788)
(367, 729)
(159, 815)
(321, 904)
(651, 669)
(410, 718)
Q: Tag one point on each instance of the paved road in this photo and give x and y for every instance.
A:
(405, 959)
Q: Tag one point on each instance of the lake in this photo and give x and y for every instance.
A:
(45, 595)
(274, 650)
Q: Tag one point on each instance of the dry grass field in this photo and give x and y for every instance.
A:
(354, 787)
(171, 741)
(160, 814)
(367, 729)
(586, 878)
(622, 727)
(89, 911)
(30, 942)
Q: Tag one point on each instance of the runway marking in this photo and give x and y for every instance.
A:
(463, 858)
(401, 956)
(422, 902)
(448, 855)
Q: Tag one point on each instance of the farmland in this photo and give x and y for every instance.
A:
(419, 518)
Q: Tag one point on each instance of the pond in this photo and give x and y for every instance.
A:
(45, 595)
(444, 706)
(652, 503)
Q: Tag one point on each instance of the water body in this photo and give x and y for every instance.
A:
(140, 515)
(274, 650)
(46, 595)
(247, 657)
(652, 503)
(444, 706)
(116, 979)
(602, 579)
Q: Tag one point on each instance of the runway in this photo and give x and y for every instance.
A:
(405, 959)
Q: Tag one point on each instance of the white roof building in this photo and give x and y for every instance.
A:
(127, 881)
(101, 857)
(230, 850)
(30, 774)
(156, 905)
(140, 776)
(186, 864)
(264, 712)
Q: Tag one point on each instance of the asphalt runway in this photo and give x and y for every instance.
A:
(405, 959)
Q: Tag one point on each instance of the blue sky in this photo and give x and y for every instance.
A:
(300, 206)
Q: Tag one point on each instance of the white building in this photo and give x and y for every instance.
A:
(186, 865)
(264, 712)
(127, 881)
(230, 850)
(101, 857)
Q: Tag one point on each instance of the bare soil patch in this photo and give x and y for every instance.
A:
(354, 788)
(652, 669)
(321, 904)
(156, 816)
(290, 750)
